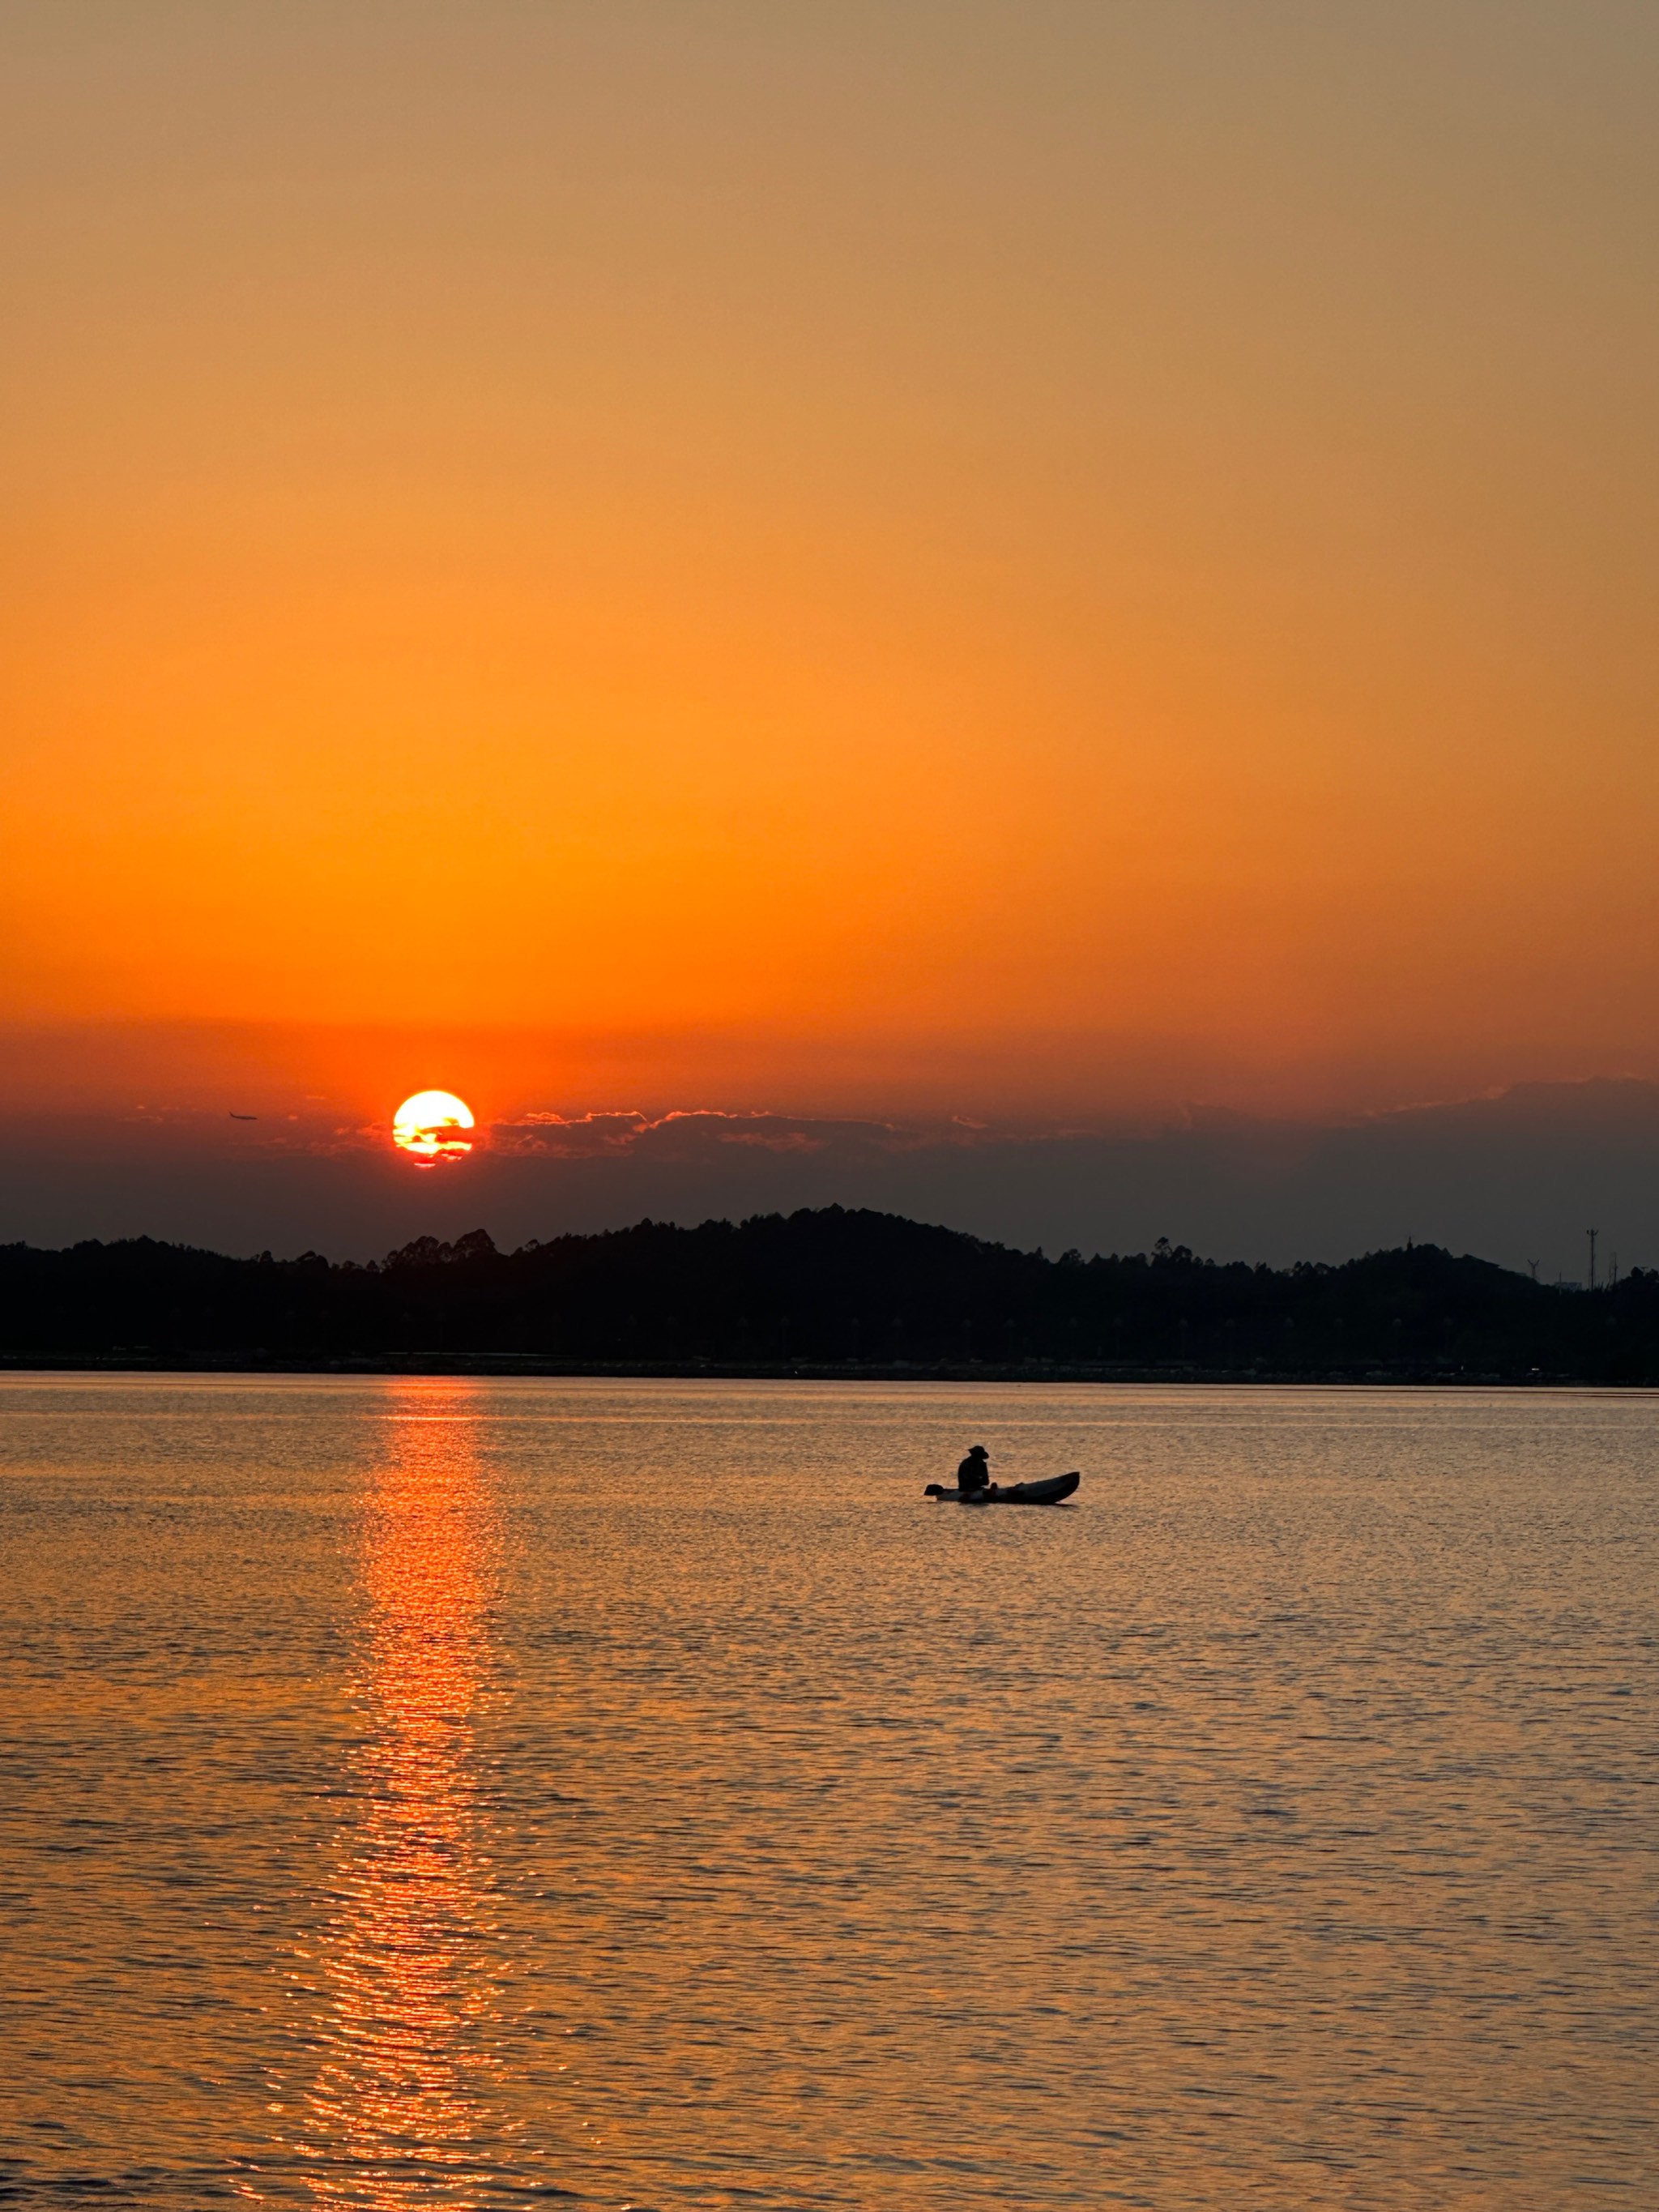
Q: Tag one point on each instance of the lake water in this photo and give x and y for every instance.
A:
(445, 1792)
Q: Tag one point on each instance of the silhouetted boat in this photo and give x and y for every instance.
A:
(1047, 1492)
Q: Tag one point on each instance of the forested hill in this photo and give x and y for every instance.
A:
(816, 1290)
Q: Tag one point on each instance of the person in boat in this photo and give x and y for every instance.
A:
(973, 1474)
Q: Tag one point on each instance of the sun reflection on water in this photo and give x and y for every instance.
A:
(400, 2113)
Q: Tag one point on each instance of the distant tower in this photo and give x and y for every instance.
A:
(1532, 1269)
(1592, 1234)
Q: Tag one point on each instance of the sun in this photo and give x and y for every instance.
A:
(428, 1126)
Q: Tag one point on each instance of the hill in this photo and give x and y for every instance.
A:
(851, 1290)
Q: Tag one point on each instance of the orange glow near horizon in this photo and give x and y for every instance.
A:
(1138, 537)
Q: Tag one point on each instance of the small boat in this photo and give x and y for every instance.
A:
(1047, 1492)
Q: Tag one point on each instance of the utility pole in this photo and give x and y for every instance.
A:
(1532, 1269)
(1592, 1234)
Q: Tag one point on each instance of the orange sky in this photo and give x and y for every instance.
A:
(789, 551)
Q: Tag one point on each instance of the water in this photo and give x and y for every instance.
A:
(440, 1792)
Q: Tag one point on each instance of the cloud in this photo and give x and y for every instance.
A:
(690, 1133)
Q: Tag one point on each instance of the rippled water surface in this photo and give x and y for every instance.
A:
(457, 1793)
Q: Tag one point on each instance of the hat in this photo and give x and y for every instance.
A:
(977, 1451)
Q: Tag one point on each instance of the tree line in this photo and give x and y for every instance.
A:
(824, 1288)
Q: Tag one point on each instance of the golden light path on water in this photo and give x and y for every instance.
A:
(400, 2112)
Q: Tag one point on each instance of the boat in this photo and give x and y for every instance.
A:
(1048, 1491)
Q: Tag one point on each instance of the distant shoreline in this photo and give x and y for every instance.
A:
(830, 1296)
(1034, 1373)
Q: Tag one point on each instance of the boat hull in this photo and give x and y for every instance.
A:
(1050, 1492)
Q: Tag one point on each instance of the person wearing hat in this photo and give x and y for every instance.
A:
(973, 1474)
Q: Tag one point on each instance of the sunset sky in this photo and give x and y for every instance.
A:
(1048, 558)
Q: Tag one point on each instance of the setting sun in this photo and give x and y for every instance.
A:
(429, 1125)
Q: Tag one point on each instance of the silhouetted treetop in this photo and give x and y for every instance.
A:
(828, 1287)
